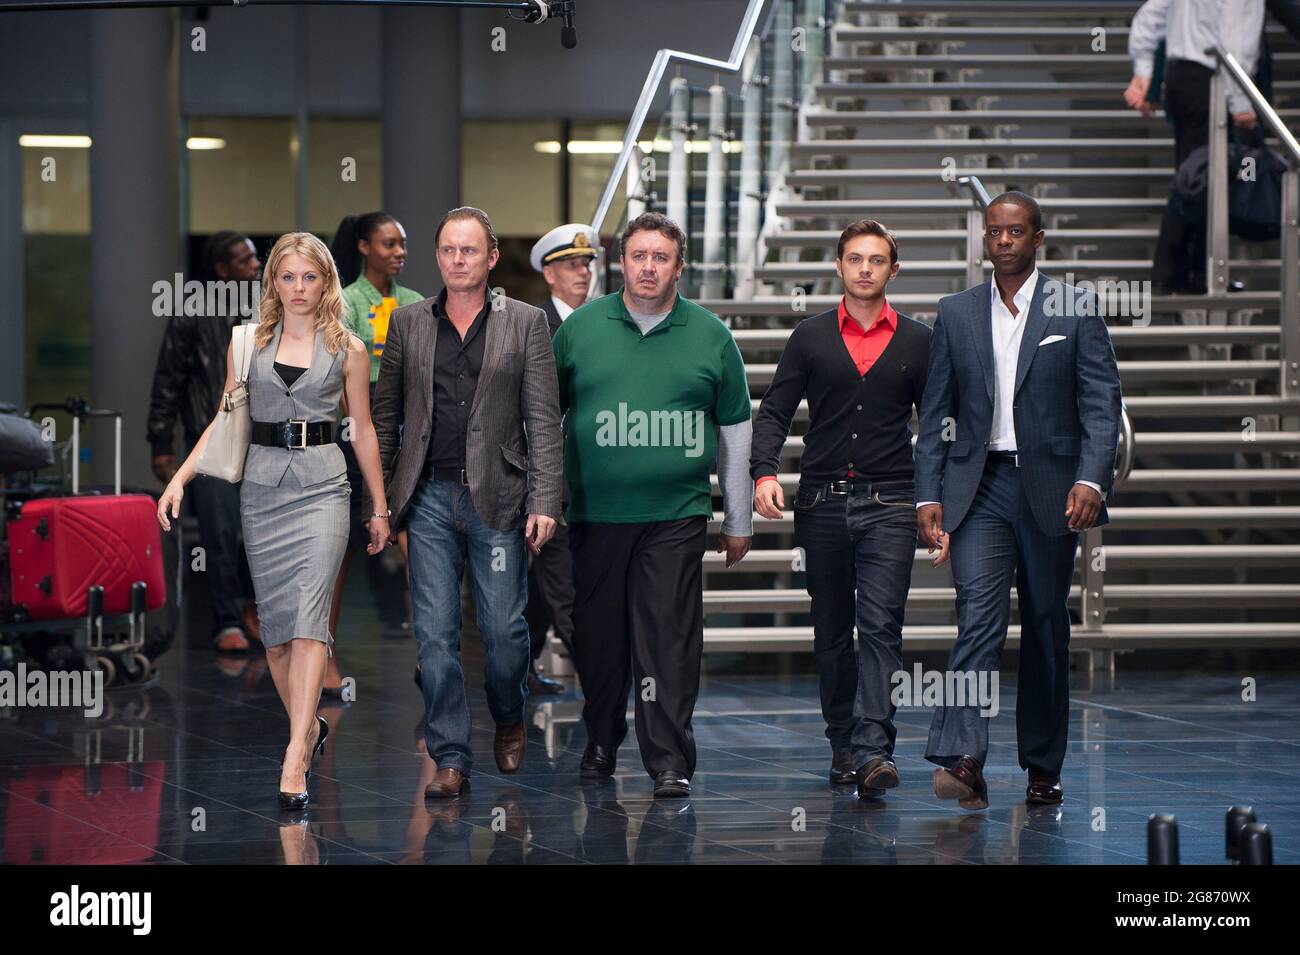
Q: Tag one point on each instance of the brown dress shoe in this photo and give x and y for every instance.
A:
(842, 770)
(874, 778)
(964, 782)
(447, 784)
(508, 747)
(1043, 791)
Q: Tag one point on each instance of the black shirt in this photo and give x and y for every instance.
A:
(856, 422)
(288, 373)
(456, 367)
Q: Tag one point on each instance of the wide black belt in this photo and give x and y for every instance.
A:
(1006, 457)
(294, 433)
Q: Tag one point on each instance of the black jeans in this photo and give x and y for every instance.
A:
(1179, 258)
(858, 551)
(638, 613)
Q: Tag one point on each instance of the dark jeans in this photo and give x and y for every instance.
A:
(216, 504)
(998, 538)
(443, 529)
(858, 551)
(1179, 258)
(638, 613)
(550, 593)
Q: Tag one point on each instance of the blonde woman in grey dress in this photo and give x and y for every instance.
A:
(294, 496)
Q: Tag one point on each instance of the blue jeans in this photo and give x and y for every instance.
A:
(443, 528)
(859, 550)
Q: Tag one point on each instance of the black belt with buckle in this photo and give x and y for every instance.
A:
(294, 433)
(455, 475)
(1005, 457)
(860, 487)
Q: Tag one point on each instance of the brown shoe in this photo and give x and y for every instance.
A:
(508, 747)
(964, 782)
(842, 771)
(1043, 791)
(874, 778)
(447, 784)
(231, 640)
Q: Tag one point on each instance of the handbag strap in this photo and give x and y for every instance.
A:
(245, 350)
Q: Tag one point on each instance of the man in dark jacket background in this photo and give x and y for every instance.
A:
(188, 382)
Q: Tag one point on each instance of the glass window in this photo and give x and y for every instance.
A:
(56, 260)
(242, 175)
(330, 196)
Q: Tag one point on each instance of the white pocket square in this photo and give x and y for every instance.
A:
(1051, 338)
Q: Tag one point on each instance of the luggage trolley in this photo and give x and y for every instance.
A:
(77, 605)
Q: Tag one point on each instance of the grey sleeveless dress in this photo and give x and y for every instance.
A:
(294, 502)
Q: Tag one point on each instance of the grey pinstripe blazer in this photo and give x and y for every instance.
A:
(1066, 406)
(513, 452)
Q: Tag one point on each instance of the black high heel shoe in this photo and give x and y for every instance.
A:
(320, 743)
(298, 801)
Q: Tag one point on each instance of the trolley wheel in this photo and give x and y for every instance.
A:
(145, 667)
(109, 668)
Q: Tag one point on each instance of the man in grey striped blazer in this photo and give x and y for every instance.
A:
(467, 413)
(1015, 453)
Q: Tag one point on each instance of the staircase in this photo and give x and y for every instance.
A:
(1203, 548)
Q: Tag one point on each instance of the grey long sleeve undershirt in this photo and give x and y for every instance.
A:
(733, 478)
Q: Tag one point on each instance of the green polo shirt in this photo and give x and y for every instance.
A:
(643, 410)
(365, 316)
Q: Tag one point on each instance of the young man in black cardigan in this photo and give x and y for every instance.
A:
(862, 368)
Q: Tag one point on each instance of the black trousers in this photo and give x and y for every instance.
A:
(638, 615)
(550, 593)
(1179, 258)
(216, 505)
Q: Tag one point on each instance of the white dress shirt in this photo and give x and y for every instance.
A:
(1008, 331)
(1189, 26)
(562, 307)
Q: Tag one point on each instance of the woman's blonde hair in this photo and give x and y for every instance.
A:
(330, 311)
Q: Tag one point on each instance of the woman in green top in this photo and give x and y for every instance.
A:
(370, 252)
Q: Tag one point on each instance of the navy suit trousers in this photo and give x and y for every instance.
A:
(999, 537)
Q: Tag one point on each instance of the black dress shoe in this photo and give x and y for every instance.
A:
(874, 778)
(597, 762)
(541, 683)
(671, 784)
(842, 770)
(964, 782)
(1043, 790)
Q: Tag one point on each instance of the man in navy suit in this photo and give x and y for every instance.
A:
(1014, 457)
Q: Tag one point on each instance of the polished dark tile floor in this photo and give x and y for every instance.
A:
(186, 772)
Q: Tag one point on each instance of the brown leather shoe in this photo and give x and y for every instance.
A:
(843, 772)
(874, 778)
(447, 784)
(508, 747)
(964, 782)
(1043, 791)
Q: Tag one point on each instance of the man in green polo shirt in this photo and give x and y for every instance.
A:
(654, 389)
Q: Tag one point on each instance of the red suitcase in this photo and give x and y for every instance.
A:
(60, 546)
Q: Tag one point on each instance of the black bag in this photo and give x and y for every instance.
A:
(1254, 191)
(21, 445)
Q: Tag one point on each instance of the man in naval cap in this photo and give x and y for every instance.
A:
(564, 256)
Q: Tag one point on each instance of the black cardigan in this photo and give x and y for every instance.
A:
(857, 422)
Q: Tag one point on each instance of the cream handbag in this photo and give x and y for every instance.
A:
(223, 456)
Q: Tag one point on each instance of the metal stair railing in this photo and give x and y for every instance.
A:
(1216, 237)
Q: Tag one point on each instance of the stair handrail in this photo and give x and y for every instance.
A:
(650, 89)
(1216, 225)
